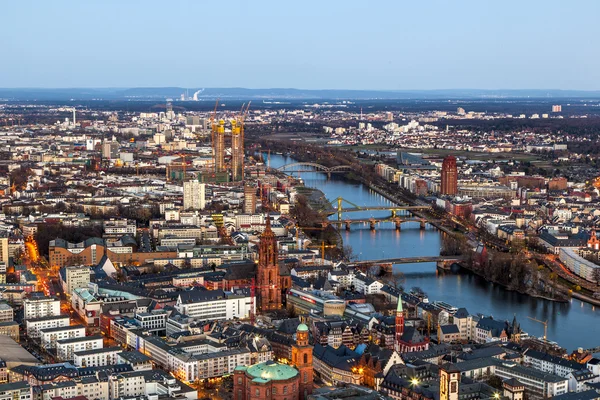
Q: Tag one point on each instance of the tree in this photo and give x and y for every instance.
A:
(396, 280)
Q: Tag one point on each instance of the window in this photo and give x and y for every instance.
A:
(305, 358)
(239, 380)
(257, 392)
(285, 390)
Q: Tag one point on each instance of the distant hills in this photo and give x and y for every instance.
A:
(281, 94)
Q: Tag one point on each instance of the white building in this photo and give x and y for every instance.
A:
(50, 336)
(33, 326)
(194, 195)
(97, 357)
(74, 277)
(538, 385)
(189, 367)
(15, 391)
(66, 348)
(40, 306)
(206, 305)
(365, 285)
(550, 364)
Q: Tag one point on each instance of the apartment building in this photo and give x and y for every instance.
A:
(50, 336)
(15, 391)
(39, 306)
(6, 313)
(97, 357)
(33, 326)
(66, 348)
(189, 367)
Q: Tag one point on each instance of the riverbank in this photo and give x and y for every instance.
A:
(462, 288)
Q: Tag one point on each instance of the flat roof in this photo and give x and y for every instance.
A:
(79, 339)
(98, 351)
(14, 354)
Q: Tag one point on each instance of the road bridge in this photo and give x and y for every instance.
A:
(443, 262)
(374, 221)
(312, 167)
(339, 208)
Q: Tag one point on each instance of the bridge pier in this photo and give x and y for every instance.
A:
(372, 225)
(445, 265)
(422, 225)
(393, 213)
(347, 226)
(398, 225)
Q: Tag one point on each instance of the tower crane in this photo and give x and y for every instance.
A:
(253, 286)
(545, 323)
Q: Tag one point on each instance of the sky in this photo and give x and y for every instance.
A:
(306, 44)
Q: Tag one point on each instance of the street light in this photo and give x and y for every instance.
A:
(496, 395)
(414, 382)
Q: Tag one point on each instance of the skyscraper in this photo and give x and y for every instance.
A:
(237, 151)
(194, 195)
(249, 199)
(267, 274)
(219, 146)
(449, 176)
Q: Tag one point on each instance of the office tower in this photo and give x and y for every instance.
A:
(194, 195)
(237, 151)
(4, 250)
(556, 108)
(449, 176)
(249, 200)
(110, 150)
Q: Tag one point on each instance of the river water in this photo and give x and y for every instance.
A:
(572, 325)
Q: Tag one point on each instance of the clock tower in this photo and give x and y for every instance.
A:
(449, 381)
(302, 354)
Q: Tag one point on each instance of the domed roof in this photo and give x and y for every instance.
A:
(302, 328)
(272, 371)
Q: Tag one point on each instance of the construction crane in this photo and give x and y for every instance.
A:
(545, 323)
(253, 286)
(323, 246)
(242, 128)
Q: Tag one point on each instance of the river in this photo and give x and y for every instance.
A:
(570, 324)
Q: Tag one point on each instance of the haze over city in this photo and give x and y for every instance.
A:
(384, 45)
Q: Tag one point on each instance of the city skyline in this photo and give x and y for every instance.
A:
(395, 46)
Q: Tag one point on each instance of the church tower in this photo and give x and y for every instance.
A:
(302, 360)
(267, 274)
(449, 381)
(399, 326)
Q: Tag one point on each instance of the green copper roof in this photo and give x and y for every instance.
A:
(241, 368)
(272, 370)
(399, 308)
(302, 328)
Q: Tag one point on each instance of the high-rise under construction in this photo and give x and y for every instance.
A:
(237, 150)
(219, 146)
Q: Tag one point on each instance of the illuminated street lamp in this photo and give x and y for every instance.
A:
(414, 382)
(496, 395)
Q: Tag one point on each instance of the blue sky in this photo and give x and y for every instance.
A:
(326, 44)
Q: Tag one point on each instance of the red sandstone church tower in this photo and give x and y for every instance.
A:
(267, 274)
(449, 176)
